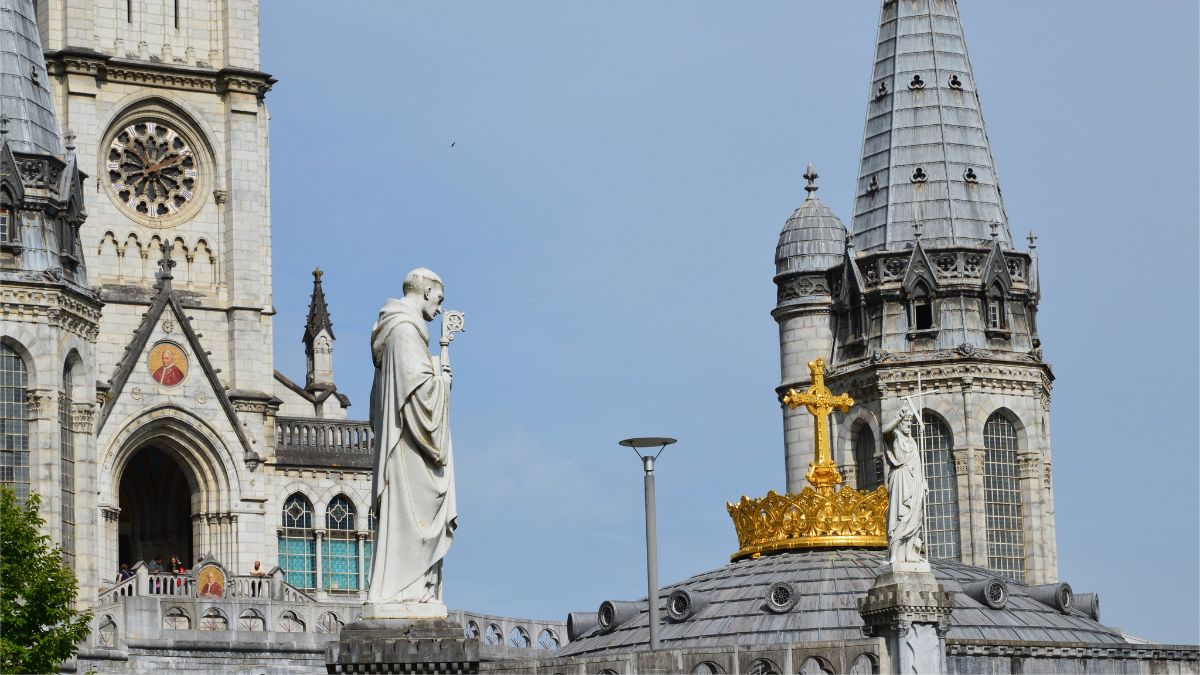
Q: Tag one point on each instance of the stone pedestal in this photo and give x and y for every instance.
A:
(908, 607)
(403, 646)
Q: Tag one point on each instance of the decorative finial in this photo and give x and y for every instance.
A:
(1032, 240)
(820, 517)
(70, 138)
(811, 176)
(917, 227)
(849, 242)
(165, 263)
(995, 231)
(317, 274)
(4, 120)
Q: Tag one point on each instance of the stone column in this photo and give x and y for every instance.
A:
(911, 611)
(975, 502)
(966, 521)
(320, 564)
(361, 563)
(234, 561)
(1029, 466)
(110, 518)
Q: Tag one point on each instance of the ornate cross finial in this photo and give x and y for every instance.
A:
(811, 176)
(165, 263)
(822, 473)
(4, 120)
(917, 227)
(849, 242)
(1032, 239)
(995, 231)
(70, 139)
(317, 274)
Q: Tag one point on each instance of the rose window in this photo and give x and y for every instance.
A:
(152, 169)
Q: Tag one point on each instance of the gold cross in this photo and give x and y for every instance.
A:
(822, 473)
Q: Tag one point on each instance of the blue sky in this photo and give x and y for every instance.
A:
(607, 218)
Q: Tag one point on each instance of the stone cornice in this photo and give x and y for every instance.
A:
(58, 303)
(104, 67)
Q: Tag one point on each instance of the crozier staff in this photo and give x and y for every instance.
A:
(413, 487)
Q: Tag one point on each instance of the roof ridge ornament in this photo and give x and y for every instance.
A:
(820, 516)
(4, 120)
(811, 176)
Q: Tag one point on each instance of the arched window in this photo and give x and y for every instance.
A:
(297, 546)
(14, 423)
(66, 449)
(7, 225)
(920, 309)
(1002, 498)
(290, 622)
(997, 317)
(866, 468)
(941, 504)
(213, 619)
(339, 551)
(176, 619)
(251, 620)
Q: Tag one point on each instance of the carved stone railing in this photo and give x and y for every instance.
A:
(311, 441)
(157, 584)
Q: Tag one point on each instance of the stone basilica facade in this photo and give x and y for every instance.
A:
(139, 395)
(137, 380)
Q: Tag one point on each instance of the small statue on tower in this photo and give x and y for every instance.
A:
(906, 489)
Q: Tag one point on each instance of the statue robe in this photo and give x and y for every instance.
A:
(413, 486)
(906, 497)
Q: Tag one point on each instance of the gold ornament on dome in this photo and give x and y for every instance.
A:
(821, 516)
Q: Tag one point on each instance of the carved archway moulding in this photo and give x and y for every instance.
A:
(206, 459)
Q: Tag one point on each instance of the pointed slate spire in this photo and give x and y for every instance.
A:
(24, 86)
(926, 156)
(318, 311)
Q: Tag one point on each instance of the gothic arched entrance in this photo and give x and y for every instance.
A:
(156, 496)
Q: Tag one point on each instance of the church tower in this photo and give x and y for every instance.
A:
(930, 300)
(50, 319)
(166, 102)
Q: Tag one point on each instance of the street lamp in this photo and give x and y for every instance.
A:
(651, 534)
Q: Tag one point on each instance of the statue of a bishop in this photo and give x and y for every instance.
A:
(413, 488)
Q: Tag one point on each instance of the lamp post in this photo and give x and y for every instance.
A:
(651, 533)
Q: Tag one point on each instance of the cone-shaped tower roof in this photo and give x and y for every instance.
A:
(318, 311)
(24, 86)
(926, 156)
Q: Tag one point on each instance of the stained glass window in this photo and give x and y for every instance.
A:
(66, 447)
(866, 468)
(297, 544)
(941, 504)
(14, 423)
(1002, 498)
(339, 554)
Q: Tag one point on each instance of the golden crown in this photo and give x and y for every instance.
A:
(821, 516)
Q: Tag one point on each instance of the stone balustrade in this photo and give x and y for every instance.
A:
(311, 441)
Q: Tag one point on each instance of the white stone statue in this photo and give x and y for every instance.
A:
(906, 490)
(413, 488)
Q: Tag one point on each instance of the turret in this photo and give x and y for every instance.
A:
(318, 339)
(811, 244)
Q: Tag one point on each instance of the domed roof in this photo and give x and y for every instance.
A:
(813, 239)
(826, 585)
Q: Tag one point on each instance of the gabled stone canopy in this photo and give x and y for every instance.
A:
(925, 155)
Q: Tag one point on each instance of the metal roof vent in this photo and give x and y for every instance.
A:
(579, 623)
(916, 83)
(991, 592)
(881, 91)
(1088, 603)
(955, 83)
(683, 605)
(781, 597)
(1058, 596)
(614, 613)
(919, 176)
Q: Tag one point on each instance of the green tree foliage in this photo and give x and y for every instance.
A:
(39, 625)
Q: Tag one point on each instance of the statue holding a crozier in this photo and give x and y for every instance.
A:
(413, 488)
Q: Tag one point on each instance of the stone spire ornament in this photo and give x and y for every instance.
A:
(811, 176)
